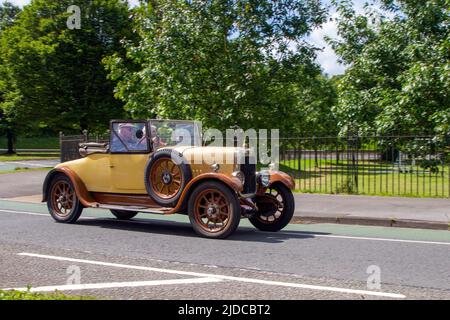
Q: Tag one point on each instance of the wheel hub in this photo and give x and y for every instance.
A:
(212, 211)
(63, 199)
(166, 177)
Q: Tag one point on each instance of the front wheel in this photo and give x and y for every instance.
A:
(63, 203)
(214, 210)
(276, 208)
(123, 214)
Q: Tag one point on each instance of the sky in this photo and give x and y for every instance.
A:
(326, 58)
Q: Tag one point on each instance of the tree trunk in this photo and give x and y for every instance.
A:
(10, 137)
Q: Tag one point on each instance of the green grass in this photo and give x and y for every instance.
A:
(28, 156)
(27, 295)
(32, 143)
(380, 179)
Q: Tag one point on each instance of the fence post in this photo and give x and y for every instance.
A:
(85, 135)
(316, 162)
(355, 162)
(351, 162)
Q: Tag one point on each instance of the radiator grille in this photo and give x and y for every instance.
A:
(249, 170)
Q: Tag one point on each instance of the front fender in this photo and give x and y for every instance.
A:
(80, 189)
(281, 177)
(232, 182)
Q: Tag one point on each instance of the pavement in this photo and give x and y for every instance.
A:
(428, 213)
(156, 257)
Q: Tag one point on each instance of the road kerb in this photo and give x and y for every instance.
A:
(369, 221)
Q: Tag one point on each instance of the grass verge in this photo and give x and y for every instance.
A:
(27, 295)
(20, 157)
(32, 143)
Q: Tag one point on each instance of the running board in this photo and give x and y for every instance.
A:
(155, 210)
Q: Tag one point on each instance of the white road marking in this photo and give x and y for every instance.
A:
(315, 235)
(37, 214)
(109, 285)
(25, 212)
(222, 277)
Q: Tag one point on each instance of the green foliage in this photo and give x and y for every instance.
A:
(226, 63)
(398, 78)
(8, 14)
(53, 77)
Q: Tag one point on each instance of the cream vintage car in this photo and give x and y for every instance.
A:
(146, 167)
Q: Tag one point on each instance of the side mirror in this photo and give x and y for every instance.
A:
(139, 134)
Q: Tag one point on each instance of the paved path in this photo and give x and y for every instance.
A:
(346, 208)
(161, 258)
(21, 184)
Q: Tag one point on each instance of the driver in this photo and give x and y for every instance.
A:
(127, 133)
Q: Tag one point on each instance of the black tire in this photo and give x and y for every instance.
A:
(224, 200)
(282, 215)
(62, 201)
(154, 181)
(123, 214)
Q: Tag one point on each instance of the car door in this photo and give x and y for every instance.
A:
(130, 150)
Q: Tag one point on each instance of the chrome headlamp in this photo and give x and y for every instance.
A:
(215, 167)
(264, 178)
(239, 175)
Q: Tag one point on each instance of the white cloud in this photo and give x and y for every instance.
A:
(20, 3)
(327, 57)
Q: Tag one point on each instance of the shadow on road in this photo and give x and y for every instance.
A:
(185, 230)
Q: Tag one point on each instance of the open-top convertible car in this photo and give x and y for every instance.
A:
(161, 167)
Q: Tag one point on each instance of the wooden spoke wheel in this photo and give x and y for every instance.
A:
(63, 203)
(166, 176)
(214, 210)
(276, 208)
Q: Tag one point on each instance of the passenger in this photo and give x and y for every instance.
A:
(156, 140)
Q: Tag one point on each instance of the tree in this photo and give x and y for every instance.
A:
(55, 76)
(398, 78)
(224, 62)
(8, 16)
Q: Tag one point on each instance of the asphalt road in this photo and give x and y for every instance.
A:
(155, 257)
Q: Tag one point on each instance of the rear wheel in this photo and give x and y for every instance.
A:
(214, 210)
(63, 203)
(123, 214)
(276, 209)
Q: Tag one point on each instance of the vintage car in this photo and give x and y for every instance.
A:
(147, 168)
